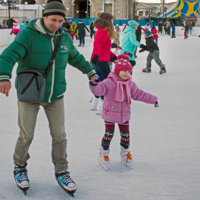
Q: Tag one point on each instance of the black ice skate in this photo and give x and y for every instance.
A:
(65, 181)
(147, 70)
(162, 70)
(21, 178)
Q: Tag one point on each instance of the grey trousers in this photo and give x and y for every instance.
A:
(156, 57)
(27, 120)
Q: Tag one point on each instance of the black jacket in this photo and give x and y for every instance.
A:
(138, 33)
(66, 25)
(81, 29)
(186, 28)
(92, 27)
(160, 25)
(152, 46)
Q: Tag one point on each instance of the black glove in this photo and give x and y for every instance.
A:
(113, 59)
(95, 59)
(144, 47)
(113, 45)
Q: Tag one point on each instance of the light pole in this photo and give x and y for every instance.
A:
(104, 6)
(150, 17)
(165, 10)
(87, 9)
(163, 5)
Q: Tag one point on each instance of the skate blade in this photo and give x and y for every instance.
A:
(106, 168)
(24, 190)
(129, 166)
(71, 193)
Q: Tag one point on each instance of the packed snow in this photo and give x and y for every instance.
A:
(165, 141)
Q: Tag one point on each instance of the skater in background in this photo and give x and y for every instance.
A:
(92, 32)
(146, 27)
(152, 24)
(138, 34)
(81, 32)
(34, 53)
(118, 90)
(160, 28)
(16, 29)
(165, 24)
(155, 34)
(167, 28)
(129, 41)
(190, 28)
(173, 30)
(73, 29)
(125, 25)
(117, 38)
(23, 25)
(186, 29)
(153, 53)
(5, 24)
(102, 54)
(66, 25)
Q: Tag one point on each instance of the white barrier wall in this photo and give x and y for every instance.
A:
(6, 38)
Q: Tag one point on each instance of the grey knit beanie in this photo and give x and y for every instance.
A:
(54, 8)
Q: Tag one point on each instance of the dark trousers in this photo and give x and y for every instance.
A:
(133, 63)
(82, 40)
(102, 69)
(92, 33)
(173, 33)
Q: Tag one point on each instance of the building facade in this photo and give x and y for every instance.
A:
(120, 9)
(144, 10)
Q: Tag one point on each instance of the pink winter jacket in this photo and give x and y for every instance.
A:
(102, 45)
(117, 97)
(15, 31)
(155, 33)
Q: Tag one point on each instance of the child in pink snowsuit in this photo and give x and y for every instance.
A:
(118, 90)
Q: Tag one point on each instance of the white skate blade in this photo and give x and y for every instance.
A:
(104, 166)
(129, 165)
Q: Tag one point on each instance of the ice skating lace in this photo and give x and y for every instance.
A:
(23, 176)
(128, 156)
(66, 179)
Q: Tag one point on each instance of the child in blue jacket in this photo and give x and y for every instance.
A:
(129, 41)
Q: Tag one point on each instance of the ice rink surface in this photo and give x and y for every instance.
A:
(165, 142)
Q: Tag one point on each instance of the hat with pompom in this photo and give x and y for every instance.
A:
(133, 24)
(15, 22)
(122, 64)
(54, 8)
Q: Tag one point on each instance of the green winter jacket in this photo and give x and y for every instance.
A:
(32, 49)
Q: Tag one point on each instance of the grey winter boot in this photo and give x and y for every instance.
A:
(147, 70)
(162, 70)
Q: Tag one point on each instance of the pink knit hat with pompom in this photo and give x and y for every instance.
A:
(122, 64)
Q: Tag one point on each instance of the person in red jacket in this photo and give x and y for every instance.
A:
(154, 32)
(102, 54)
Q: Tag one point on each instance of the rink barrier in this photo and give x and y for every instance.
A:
(6, 38)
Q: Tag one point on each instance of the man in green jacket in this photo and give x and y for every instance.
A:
(32, 49)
